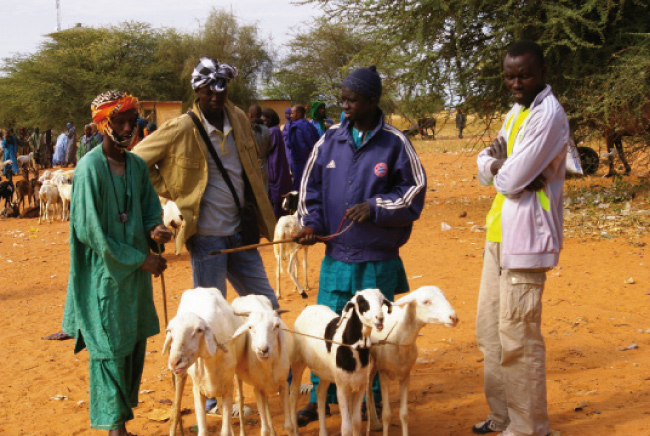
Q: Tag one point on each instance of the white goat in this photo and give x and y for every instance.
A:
(65, 195)
(4, 164)
(288, 225)
(199, 344)
(288, 252)
(26, 160)
(47, 175)
(346, 365)
(48, 196)
(426, 305)
(265, 364)
(172, 216)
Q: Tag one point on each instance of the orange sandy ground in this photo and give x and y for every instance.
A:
(589, 312)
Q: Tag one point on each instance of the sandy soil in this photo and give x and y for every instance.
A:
(590, 314)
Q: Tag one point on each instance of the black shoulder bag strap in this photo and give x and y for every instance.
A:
(213, 152)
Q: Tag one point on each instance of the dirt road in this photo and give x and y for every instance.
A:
(591, 313)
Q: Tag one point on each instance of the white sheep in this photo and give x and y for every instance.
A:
(200, 343)
(26, 160)
(47, 175)
(4, 164)
(426, 305)
(347, 364)
(286, 227)
(265, 364)
(288, 252)
(65, 195)
(172, 216)
(48, 196)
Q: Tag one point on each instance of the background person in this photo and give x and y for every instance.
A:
(300, 141)
(262, 140)
(71, 151)
(277, 164)
(10, 146)
(87, 142)
(319, 117)
(461, 121)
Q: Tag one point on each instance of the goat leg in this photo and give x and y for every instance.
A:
(304, 266)
(278, 272)
(293, 272)
(321, 395)
(403, 406)
(176, 416)
(199, 410)
(371, 407)
(240, 403)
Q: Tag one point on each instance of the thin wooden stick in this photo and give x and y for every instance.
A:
(250, 247)
(164, 291)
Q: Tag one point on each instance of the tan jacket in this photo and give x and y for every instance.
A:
(181, 175)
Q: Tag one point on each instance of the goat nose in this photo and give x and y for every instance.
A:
(264, 350)
(454, 319)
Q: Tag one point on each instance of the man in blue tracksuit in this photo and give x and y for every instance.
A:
(366, 171)
(300, 141)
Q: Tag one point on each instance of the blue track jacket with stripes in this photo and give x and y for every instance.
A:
(385, 172)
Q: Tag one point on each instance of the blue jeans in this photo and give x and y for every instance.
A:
(244, 270)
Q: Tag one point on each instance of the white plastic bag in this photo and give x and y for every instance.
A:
(573, 165)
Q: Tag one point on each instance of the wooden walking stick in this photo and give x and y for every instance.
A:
(176, 419)
(164, 291)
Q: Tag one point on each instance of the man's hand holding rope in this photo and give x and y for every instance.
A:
(356, 214)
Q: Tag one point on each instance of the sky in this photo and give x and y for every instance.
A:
(26, 22)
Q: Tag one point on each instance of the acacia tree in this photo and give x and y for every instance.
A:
(456, 47)
(57, 84)
(317, 62)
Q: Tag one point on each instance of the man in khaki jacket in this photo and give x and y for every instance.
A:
(183, 170)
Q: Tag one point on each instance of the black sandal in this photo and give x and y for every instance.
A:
(308, 414)
(364, 411)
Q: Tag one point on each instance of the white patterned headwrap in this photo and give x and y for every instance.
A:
(212, 73)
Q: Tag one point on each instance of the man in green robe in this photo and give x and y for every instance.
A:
(115, 217)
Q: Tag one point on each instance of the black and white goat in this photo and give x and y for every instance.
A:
(337, 349)
(7, 190)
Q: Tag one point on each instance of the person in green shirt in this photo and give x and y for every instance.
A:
(115, 218)
(87, 142)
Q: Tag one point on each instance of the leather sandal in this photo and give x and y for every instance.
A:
(310, 414)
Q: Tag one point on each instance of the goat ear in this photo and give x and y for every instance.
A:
(168, 343)
(388, 305)
(210, 341)
(404, 300)
(349, 306)
(241, 330)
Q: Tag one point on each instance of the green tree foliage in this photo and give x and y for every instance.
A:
(57, 84)
(317, 62)
(455, 48)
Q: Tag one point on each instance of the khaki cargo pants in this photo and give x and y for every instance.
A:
(508, 329)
